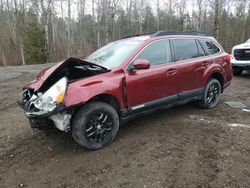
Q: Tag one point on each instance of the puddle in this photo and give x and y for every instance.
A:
(236, 104)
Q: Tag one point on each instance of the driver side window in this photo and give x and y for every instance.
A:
(157, 53)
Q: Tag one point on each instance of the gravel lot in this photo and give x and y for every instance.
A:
(183, 146)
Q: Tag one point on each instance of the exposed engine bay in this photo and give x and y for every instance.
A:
(47, 101)
(73, 69)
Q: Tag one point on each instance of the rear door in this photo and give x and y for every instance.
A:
(145, 88)
(189, 55)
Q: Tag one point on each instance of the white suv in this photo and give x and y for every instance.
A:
(241, 57)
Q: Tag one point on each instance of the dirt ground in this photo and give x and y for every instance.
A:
(183, 146)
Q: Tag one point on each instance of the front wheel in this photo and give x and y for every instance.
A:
(95, 125)
(211, 95)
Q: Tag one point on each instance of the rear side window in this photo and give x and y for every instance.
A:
(209, 47)
(186, 49)
(200, 49)
(157, 53)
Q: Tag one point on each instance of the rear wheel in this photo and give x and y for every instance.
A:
(211, 95)
(95, 125)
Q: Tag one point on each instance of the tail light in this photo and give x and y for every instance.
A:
(227, 58)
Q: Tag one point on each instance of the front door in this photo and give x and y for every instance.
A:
(146, 87)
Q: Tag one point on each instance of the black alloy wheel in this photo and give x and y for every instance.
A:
(211, 94)
(99, 127)
(95, 125)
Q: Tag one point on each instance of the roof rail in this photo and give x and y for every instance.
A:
(163, 33)
(137, 35)
(129, 36)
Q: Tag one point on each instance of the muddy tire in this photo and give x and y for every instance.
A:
(211, 94)
(95, 125)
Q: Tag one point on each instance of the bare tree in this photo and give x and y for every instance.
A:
(68, 29)
(171, 5)
(181, 7)
(199, 3)
(217, 6)
(158, 13)
(46, 13)
(18, 23)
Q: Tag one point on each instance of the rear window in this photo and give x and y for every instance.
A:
(186, 49)
(209, 47)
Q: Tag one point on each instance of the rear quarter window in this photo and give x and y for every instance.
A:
(209, 47)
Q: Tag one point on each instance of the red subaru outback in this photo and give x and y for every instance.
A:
(124, 79)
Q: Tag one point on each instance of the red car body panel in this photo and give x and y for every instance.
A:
(110, 83)
(151, 84)
(218, 65)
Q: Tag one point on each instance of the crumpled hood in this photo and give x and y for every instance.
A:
(42, 76)
(47, 74)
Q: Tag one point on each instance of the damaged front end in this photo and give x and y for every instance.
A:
(43, 98)
(42, 108)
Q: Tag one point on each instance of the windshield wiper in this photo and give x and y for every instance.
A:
(99, 59)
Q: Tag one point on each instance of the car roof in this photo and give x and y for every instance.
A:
(144, 38)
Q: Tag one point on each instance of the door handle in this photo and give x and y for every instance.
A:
(171, 72)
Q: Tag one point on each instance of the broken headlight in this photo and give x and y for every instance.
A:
(53, 96)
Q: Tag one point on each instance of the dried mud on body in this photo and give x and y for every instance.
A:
(183, 146)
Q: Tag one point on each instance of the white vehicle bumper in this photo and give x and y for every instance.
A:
(240, 64)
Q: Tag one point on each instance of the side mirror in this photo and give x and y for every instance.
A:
(141, 64)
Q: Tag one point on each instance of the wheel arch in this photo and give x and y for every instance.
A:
(106, 98)
(218, 76)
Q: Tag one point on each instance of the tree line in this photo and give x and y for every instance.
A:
(40, 31)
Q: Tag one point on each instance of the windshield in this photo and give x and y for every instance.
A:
(113, 54)
(248, 41)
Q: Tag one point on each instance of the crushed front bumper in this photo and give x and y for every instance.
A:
(40, 114)
(60, 117)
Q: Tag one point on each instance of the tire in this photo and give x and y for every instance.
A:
(95, 125)
(237, 72)
(211, 94)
